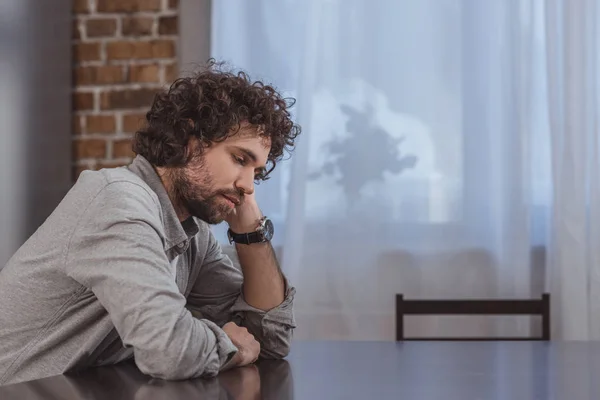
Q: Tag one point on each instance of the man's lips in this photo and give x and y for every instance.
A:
(236, 202)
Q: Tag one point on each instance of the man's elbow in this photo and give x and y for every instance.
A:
(156, 370)
(277, 348)
(160, 370)
(282, 351)
(275, 353)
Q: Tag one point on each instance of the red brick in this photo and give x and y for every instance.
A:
(171, 72)
(145, 73)
(86, 52)
(168, 25)
(123, 50)
(105, 74)
(122, 149)
(83, 101)
(128, 50)
(110, 74)
(137, 26)
(100, 27)
(100, 124)
(127, 5)
(89, 148)
(81, 6)
(135, 98)
(76, 125)
(133, 122)
(163, 48)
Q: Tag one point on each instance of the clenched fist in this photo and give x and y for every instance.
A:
(247, 345)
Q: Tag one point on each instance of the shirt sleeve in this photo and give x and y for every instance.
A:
(118, 253)
(217, 295)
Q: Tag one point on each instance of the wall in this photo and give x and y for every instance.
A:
(35, 93)
(123, 52)
(194, 34)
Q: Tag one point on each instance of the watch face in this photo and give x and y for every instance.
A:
(268, 230)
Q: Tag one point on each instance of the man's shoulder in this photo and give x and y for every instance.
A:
(119, 178)
(117, 185)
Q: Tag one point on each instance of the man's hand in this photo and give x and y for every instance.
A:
(245, 217)
(247, 345)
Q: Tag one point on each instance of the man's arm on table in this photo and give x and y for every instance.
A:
(256, 295)
(118, 254)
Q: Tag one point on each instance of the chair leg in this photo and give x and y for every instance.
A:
(399, 317)
(546, 316)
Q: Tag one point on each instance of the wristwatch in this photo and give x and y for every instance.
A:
(263, 233)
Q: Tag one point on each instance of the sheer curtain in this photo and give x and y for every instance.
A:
(439, 158)
(573, 79)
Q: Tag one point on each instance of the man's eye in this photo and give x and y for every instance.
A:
(239, 160)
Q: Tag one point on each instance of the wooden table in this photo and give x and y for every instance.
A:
(360, 370)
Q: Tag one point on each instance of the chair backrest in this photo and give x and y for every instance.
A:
(473, 307)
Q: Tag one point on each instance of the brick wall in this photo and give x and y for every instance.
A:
(123, 52)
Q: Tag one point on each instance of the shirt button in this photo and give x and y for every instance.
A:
(181, 245)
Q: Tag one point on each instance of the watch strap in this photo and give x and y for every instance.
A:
(245, 238)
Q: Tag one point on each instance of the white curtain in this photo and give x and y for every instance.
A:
(449, 150)
(572, 65)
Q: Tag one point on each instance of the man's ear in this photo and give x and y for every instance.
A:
(192, 124)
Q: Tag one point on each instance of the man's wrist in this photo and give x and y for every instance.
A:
(236, 359)
(246, 227)
(239, 229)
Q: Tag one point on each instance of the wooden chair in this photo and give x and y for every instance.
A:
(473, 307)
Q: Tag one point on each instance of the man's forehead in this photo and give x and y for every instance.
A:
(250, 134)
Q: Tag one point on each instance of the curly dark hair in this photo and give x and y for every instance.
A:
(211, 105)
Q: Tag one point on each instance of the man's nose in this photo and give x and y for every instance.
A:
(246, 183)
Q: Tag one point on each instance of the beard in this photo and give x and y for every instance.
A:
(201, 199)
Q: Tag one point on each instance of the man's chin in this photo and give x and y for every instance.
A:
(211, 220)
(214, 219)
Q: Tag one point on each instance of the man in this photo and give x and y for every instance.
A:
(126, 266)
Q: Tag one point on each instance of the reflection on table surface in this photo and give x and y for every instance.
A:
(268, 379)
(359, 370)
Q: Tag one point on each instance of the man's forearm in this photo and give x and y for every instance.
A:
(263, 282)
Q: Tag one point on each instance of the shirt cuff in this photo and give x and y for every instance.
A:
(282, 314)
(225, 347)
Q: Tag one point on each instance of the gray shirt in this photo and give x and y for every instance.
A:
(112, 273)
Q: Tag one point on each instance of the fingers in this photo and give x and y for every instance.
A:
(256, 349)
(249, 347)
(251, 350)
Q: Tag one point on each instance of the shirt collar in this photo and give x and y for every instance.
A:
(176, 232)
